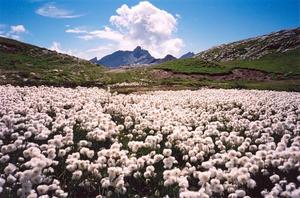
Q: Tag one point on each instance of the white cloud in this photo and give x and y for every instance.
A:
(100, 51)
(106, 33)
(100, 48)
(76, 31)
(14, 36)
(17, 29)
(52, 11)
(13, 31)
(56, 46)
(144, 25)
(84, 54)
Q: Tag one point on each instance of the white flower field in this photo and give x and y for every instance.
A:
(87, 142)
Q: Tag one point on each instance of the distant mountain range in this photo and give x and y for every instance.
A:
(247, 49)
(136, 57)
(121, 58)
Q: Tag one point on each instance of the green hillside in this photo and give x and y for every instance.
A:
(283, 63)
(192, 65)
(21, 62)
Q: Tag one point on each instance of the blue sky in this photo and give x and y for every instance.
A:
(89, 28)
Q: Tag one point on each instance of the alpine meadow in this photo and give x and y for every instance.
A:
(138, 99)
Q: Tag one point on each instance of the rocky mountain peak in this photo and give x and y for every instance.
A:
(137, 49)
(94, 60)
(138, 56)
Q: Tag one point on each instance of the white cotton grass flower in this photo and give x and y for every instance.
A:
(90, 154)
(167, 152)
(77, 175)
(204, 177)
(251, 183)
(10, 168)
(11, 179)
(169, 161)
(295, 193)
(42, 189)
(105, 183)
(274, 178)
(220, 137)
(240, 193)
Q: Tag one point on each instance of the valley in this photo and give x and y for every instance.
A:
(274, 66)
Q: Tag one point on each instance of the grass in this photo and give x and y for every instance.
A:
(193, 84)
(20, 61)
(131, 75)
(191, 66)
(285, 63)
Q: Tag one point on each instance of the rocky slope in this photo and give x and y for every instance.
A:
(254, 48)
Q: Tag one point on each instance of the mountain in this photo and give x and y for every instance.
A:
(254, 48)
(168, 57)
(22, 63)
(276, 53)
(121, 58)
(187, 55)
(94, 60)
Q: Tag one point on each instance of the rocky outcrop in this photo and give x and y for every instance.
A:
(254, 48)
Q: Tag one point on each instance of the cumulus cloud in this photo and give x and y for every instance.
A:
(52, 11)
(144, 25)
(56, 46)
(17, 29)
(13, 31)
(100, 51)
(84, 54)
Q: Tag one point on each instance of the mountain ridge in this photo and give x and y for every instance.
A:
(253, 48)
(121, 58)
